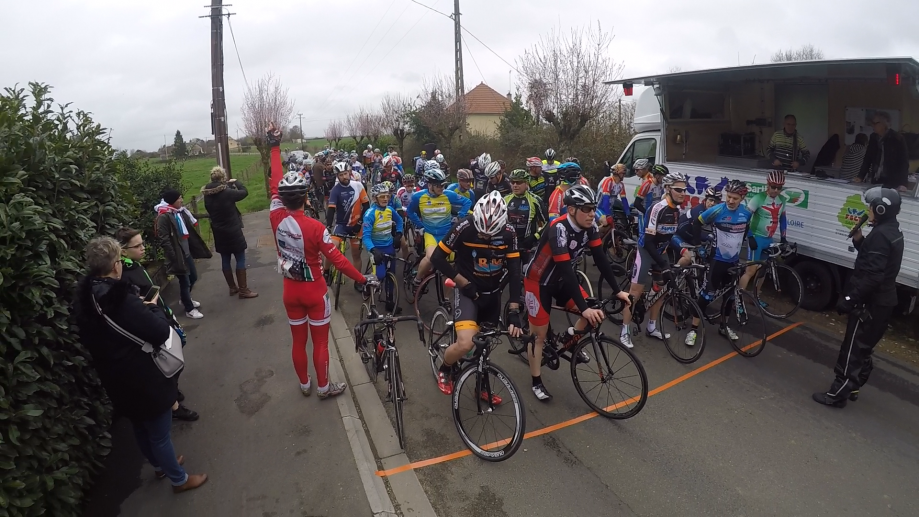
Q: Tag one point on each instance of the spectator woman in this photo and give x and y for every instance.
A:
(177, 231)
(220, 198)
(135, 385)
(134, 273)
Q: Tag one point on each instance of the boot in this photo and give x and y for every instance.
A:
(228, 275)
(244, 291)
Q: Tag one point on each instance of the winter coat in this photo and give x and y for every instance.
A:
(226, 222)
(167, 231)
(135, 385)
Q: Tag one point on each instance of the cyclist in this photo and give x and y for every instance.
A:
(525, 213)
(382, 231)
(390, 171)
(478, 174)
(549, 169)
(497, 181)
(550, 274)
(684, 232)
(536, 181)
(611, 189)
(768, 209)
(347, 201)
(299, 241)
(405, 198)
(731, 223)
(661, 224)
(368, 156)
(642, 170)
(432, 210)
(444, 166)
(328, 175)
(463, 186)
(485, 246)
(568, 174)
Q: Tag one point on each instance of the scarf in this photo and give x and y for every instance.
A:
(163, 207)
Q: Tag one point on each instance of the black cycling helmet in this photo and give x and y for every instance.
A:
(660, 170)
(581, 195)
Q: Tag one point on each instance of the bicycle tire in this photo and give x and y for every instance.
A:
(337, 280)
(441, 335)
(367, 346)
(510, 445)
(584, 282)
(793, 288)
(397, 393)
(365, 293)
(391, 277)
(616, 349)
(425, 311)
(682, 309)
(753, 316)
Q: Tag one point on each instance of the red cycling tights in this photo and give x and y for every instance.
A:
(308, 302)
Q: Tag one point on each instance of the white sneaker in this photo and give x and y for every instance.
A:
(195, 314)
(195, 304)
(690, 338)
(656, 333)
(726, 331)
(626, 340)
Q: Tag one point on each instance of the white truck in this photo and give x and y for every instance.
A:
(714, 125)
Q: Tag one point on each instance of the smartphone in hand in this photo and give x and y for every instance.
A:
(152, 294)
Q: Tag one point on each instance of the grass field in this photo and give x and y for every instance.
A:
(197, 173)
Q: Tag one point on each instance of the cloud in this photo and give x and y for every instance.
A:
(143, 69)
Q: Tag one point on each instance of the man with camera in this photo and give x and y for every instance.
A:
(869, 297)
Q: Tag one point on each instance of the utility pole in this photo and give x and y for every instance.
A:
(458, 37)
(218, 94)
(301, 130)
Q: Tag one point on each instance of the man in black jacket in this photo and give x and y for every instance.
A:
(869, 297)
(889, 161)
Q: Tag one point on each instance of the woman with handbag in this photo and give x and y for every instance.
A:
(134, 273)
(128, 339)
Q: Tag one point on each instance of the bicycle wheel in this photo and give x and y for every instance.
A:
(441, 335)
(365, 345)
(337, 280)
(365, 293)
(787, 286)
(311, 212)
(517, 345)
(391, 290)
(396, 393)
(747, 323)
(498, 431)
(584, 282)
(614, 369)
(684, 344)
(426, 301)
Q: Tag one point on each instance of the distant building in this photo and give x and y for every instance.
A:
(484, 109)
(232, 144)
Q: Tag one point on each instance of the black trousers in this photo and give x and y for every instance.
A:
(854, 364)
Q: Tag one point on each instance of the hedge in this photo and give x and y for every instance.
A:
(58, 189)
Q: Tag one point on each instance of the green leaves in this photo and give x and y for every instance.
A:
(59, 187)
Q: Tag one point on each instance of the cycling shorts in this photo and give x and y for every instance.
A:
(306, 302)
(761, 244)
(469, 313)
(643, 268)
(677, 243)
(538, 300)
(388, 264)
(340, 229)
(431, 240)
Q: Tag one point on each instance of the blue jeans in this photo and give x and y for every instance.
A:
(186, 282)
(240, 260)
(153, 438)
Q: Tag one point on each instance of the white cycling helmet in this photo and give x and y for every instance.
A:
(369, 147)
(341, 167)
(431, 165)
(387, 161)
(483, 161)
(439, 158)
(293, 184)
(434, 175)
(673, 177)
(492, 170)
(490, 214)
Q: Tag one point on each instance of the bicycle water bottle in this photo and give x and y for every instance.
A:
(569, 338)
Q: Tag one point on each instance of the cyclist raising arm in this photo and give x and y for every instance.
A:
(299, 241)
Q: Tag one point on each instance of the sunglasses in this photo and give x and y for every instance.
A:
(678, 190)
(775, 187)
(588, 209)
(518, 182)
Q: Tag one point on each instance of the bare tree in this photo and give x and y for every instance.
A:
(334, 132)
(356, 124)
(579, 63)
(442, 113)
(375, 127)
(395, 117)
(804, 53)
(266, 101)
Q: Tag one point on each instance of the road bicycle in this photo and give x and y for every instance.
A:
(335, 277)
(783, 280)
(426, 305)
(612, 366)
(482, 391)
(379, 352)
(390, 284)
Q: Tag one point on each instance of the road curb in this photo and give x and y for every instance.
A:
(364, 407)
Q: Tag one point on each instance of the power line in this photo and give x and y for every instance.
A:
(375, 27)
(243, 70)
(490, 50)
(474, 61)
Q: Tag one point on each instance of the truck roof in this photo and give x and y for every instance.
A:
(863, 68)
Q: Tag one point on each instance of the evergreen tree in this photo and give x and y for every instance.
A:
(179, 149)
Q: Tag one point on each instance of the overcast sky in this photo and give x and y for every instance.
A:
(143, 68)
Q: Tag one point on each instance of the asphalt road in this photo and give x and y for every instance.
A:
(740, 437)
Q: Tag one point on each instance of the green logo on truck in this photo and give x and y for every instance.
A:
(851, 211)
(793, 197)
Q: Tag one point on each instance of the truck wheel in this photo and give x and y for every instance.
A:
(819, 288)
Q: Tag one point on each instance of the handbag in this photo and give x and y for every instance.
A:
(168, 358)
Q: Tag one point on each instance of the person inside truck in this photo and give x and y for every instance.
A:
(890, 164)
(662, 222)
(786, 148)
(768, 209)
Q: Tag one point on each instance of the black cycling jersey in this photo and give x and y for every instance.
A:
(479, 179)
(503, 187)
(481, 261)
(527, 215)
(661, 225)
(551, 180)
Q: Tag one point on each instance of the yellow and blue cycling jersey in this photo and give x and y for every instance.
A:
(435, 213)
(468, 194)
(379, 226)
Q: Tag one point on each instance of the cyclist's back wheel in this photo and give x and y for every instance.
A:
(748, 324)
(366, 348)
(441, 335)
(492, 431)
(786, 285)
(396, 393)
(613, 382)
(685, 344)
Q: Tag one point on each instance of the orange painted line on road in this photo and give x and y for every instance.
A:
(582, 418)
